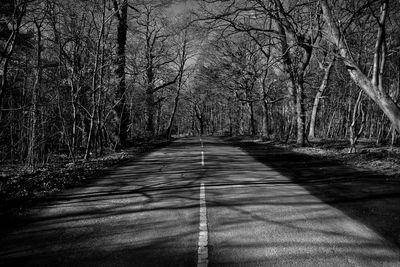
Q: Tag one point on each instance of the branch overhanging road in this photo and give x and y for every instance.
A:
(189, 204)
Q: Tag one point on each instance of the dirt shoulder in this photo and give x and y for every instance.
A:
(369, 156)
(381, 159)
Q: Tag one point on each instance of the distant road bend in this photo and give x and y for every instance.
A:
(199, 202)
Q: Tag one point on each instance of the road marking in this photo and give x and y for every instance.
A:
(202, 251)
(202, 158)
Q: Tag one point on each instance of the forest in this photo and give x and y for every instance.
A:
(200, 133)
(83, 78)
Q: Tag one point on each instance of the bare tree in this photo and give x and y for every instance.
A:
(122, 115)
(373, 87)
(31, 156)
(158, 56)
(14, 13)
(326, 65)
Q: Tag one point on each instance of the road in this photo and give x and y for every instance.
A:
(199, 203)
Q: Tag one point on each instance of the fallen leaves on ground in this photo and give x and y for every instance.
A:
(19, 187)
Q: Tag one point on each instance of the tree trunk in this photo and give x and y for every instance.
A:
(328, 132)
(99, 101)
(352, 128)
(320, 92)
(171, 121)
(295, 82)
(9, 46)
(300, 106)
(200, 117)
(265, 132)
(265, 125)
(150, 103)
(74, 142)
(122, 116)
(300, 114)
(94, 87)
(252, 119)
(31, 157)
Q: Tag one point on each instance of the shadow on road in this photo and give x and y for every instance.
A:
(271, 207)
(144, 213)
(368, 197)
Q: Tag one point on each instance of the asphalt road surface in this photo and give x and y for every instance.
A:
(208, 202)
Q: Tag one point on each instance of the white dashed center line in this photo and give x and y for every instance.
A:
(202, 152)
(202, 252)
(203, 231)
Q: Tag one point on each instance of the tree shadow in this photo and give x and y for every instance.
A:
(261, 212)
(144, 213)
(366, 196)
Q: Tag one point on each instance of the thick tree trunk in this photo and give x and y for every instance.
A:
(300, 109)
(252, 119)
(3, 79)
(265, 125)
(150, 103)
(122, 115)
(374, 87)
(295, 83)
(200, 117)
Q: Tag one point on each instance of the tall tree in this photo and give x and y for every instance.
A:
(31, 157)
(158, 57)
(326, 65)
(183, 57)
(374, 87)
(120, 106)
(12, 13)
(95, 79)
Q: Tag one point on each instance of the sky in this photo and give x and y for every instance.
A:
(181, 6)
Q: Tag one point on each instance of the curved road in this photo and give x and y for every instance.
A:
(155, 212)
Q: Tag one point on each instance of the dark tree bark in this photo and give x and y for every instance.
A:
(122, 114)
(9, 48)
(200, 117)
(32, 155)
(304, 41)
